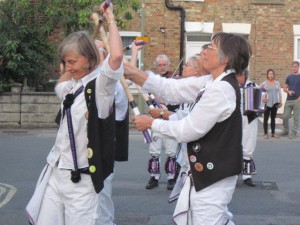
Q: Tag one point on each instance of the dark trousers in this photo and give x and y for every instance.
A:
(273, 112)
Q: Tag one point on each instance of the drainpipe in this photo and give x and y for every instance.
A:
(173, 7)
(142, 33)
(141, 102)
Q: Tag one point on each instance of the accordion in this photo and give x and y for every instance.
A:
(253, 97)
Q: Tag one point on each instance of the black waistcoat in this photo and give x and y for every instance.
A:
(103, 139)
(218, 154)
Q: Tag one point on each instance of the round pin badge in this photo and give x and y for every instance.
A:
(196, 147)
(90, 153)
(210, 165)
(193, 158)
(198, 167)
(92, 169)
(89, 91)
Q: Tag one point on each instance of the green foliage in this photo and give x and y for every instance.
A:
(74, 15)
(25, 26)
(25, 49)
(124, 10)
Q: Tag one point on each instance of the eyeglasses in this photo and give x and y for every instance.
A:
(162, 65)
(210, 47)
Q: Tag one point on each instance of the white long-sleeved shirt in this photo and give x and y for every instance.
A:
(121, 102)
(217, 103)
(106, 82)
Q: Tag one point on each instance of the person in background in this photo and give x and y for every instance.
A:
(162, 63)
(83, 155)
(192, 68)
(250, 129)
(106, 208)
(273, 101)
(212, 129)
(292, 104)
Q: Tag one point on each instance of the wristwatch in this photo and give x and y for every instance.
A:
(162, 114)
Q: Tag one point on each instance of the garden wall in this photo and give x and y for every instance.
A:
(28, 110)
(34, 109)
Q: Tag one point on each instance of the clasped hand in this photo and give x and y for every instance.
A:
(142, 122)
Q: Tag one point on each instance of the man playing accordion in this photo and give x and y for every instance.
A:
(250, 108)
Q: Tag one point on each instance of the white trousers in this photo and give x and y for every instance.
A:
(206, 207)
(249, 137)
(158, 144)
(156, 147)
(249, 140)
(209, 206)
(68, 203)
(106, 205)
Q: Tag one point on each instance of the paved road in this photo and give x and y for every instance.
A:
(275, 200)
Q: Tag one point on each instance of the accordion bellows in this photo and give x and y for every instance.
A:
(253, 99)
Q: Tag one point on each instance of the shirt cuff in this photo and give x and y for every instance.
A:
(113, 74)
(60, 87)
(156, 124)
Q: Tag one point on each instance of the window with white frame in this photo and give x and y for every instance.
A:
(296, 29)
(128, 38)
(197, 35)
(297, 48)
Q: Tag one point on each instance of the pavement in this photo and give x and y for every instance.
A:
(274, 201)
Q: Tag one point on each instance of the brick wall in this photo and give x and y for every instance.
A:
(271, 36)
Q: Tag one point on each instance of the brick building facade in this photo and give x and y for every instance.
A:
(272, 27)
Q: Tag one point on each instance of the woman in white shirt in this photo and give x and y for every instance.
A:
(66, 193)
(212, 129)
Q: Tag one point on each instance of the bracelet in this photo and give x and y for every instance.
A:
(111, 22)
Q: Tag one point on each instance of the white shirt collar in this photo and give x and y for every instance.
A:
(87, 78)
(227, 72)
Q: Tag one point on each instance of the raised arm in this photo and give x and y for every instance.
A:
(134, 74)
(115, 41)
(64, 76)
(135, 47)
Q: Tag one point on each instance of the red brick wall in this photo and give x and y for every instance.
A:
(271, 36)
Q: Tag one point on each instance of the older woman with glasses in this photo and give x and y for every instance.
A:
(192, 68)
(212, 129)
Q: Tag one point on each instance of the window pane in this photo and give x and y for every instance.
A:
(199, 38)
(126, 42)
(298, 48)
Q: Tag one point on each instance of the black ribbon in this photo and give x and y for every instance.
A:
(69, 100)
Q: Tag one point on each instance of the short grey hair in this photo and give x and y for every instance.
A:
(162, 56)
(84, 44)
(195, 60)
